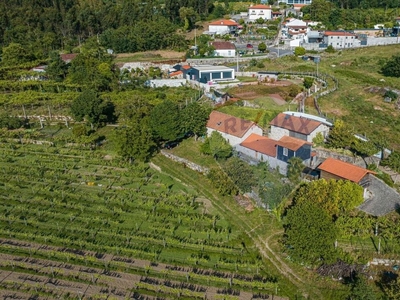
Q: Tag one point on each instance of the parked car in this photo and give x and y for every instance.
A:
(249, 46)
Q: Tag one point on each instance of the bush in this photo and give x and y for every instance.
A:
(299, 51)
(392, 67)
(390, 94)
(330, 49)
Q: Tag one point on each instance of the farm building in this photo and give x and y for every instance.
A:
(275, 153)
(301, 126)
(233, 129)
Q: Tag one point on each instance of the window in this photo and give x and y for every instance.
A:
(285, 152)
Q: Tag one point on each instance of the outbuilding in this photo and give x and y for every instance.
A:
(206, 73)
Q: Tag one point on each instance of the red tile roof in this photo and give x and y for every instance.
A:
(223, 45)
(177, 73)
(292, 143)
(68, 57)
(299, 5)
(344, 170)
(338, 33)
(260, 6)
(186, 67)
(261, 144)
(228, 124)
(224, 23)
(296, 124)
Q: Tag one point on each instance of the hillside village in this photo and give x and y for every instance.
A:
(199, 150)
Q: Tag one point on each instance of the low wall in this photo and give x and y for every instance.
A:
(185, 162)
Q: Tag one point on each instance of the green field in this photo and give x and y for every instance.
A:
(74, 207)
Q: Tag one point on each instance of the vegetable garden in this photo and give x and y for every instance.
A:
(70, 218)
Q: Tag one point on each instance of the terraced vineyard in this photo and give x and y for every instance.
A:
(74, 223)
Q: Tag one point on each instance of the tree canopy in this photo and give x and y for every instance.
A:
(310, 233)
(335, 196)
(392, 67)
(216, 146)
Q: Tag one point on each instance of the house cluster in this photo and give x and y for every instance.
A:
(297, 33)
(291, 135)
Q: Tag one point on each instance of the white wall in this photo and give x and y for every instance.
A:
(255, 14)
(340, 41)
(218, 29)
(225, 53)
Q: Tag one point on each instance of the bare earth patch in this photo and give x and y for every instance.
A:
(167, 54)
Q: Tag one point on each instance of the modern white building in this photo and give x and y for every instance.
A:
(340, 39)
(260, 11)
(223, 27)
(292, 2)
(224, 49)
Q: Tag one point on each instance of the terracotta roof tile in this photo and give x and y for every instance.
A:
(344, 170)
(68, 57)
(296, 124)
(261, 144)
(223, 45)
(186, 67)
(292, 143)
(224, 23)
(260, 6)
(175, 73)
(338, 33)
(228, 124)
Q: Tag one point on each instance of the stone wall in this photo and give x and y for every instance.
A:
(185, 162)
(224, 60)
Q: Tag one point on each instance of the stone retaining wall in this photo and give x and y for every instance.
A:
(185, 162)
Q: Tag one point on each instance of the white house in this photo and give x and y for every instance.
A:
(224, 49)
(234, 130)
(340, 39)
(301, 126)
(297, 29)
(223, 27)
(260, 11)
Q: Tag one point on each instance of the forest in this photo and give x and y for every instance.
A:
(133, 25)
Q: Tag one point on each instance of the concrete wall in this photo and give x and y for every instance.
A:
(225, 53)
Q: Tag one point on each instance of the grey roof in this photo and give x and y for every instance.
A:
(383, 199)
(212, 68)
(314, 34)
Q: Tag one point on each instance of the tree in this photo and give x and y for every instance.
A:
(262, 47)
(340, 136)
(299, 51)
(240, 173)
(134, 141)
(15, 54)
(308, 82)
(392, 67)
(216, 146)
(221, 181)
(361, 290)
(295, 167)
(310, 233)
(188, 16)
(165, 121)
(56, 67)
(392, 289)
(330, 49)
(9, 122)
(335, 196)
(364, 148)
(194, 119)
(89, 106)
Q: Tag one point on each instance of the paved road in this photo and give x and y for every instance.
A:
(280, 52)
